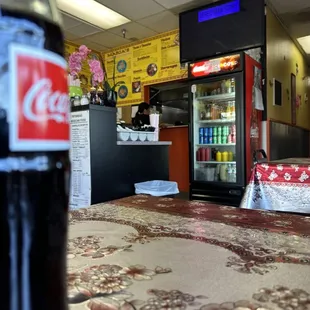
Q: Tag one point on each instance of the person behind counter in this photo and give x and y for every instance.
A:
(142, 116)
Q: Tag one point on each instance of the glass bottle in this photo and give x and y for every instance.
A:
(208, 112)
(34, 158)
(232, 85)
(228, 86)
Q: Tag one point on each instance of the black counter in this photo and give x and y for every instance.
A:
(117, 166)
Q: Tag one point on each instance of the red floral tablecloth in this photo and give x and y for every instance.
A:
(151, 253)
(282, 185)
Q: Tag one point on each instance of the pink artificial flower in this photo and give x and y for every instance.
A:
(76, 59)
(96, 70)
(75, 63)
(83, 50)
(94, 65)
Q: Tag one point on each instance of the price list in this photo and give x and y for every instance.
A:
(80, 196)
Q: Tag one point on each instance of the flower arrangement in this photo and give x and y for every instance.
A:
(76, 59)
(75, 65)
(97, 72)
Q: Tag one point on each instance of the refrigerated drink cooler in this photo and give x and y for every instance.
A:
(221, 135)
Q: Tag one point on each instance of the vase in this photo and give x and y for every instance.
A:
(75, 91)
(84, 100)
(110, 98)
(93, 95)
(100, 94)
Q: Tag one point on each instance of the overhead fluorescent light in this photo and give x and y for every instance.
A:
(305, 43)
(93, 13)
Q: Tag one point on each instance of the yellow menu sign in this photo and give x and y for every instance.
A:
(85, 74)
(151, 61)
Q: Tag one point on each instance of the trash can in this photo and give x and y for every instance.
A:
(157, 188)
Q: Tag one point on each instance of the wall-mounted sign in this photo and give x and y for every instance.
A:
(214, 66)
(151, 61)
(218, 11)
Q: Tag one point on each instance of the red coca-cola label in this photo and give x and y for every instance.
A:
(213, 66)
(39, 102)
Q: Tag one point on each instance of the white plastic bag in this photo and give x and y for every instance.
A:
(157, 188)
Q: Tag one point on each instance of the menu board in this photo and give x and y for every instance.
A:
(151, 61)
(85, 74)
(80, 194)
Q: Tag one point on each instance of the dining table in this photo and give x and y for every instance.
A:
(279, 185)
(153, 253)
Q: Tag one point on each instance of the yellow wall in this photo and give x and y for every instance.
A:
(282, 57)
(131, 64)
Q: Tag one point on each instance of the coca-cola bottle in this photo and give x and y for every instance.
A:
(34, 162)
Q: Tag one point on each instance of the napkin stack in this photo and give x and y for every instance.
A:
(154, 122)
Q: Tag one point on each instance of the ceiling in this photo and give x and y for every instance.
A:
(151, 17)
(295, 16)
(148, 18)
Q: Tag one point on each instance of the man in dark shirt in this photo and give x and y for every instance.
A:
(142, 116)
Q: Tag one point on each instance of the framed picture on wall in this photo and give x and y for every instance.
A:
(277, 93)
(293, 99)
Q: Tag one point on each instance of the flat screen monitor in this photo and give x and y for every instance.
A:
(221, 28)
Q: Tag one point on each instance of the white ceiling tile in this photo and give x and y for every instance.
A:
(169, 4)
(69, 22)
(107, 39)
(96, 47)
(89, 44)
(161, 22)
(300, 29)
(134, 31)
(80, 41)
(190, 5)
(70, 36)
(133, 9)
(84, 30)
(287, 6)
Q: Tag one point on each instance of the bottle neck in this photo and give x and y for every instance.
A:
(46, 8)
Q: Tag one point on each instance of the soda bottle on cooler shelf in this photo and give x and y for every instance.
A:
(232, 85)
(233, 133)
(208, 112)
(206, 136)
(210, 135)
(34, 162)
(230, 139)
(201, 135)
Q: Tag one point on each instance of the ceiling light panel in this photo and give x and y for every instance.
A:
(305, 43)
(93, 13)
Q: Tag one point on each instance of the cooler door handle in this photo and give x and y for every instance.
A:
(235, 192)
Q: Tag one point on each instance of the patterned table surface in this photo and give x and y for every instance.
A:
(161, 253)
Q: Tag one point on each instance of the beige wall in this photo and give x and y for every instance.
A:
(282, 57)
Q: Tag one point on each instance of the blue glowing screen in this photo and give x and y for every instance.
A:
(221, 10)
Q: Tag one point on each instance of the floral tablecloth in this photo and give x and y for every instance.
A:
(161, 253)
(282, 185)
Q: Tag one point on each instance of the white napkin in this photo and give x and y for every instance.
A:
(258, 99)
(154, 120)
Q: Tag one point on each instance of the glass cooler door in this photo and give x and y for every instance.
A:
(214, 136)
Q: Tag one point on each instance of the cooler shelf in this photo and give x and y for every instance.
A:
(211, 145)
(217, 121)
(216, 162)
(220, 97)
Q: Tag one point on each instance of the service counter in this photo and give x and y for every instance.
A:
(105, 169)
